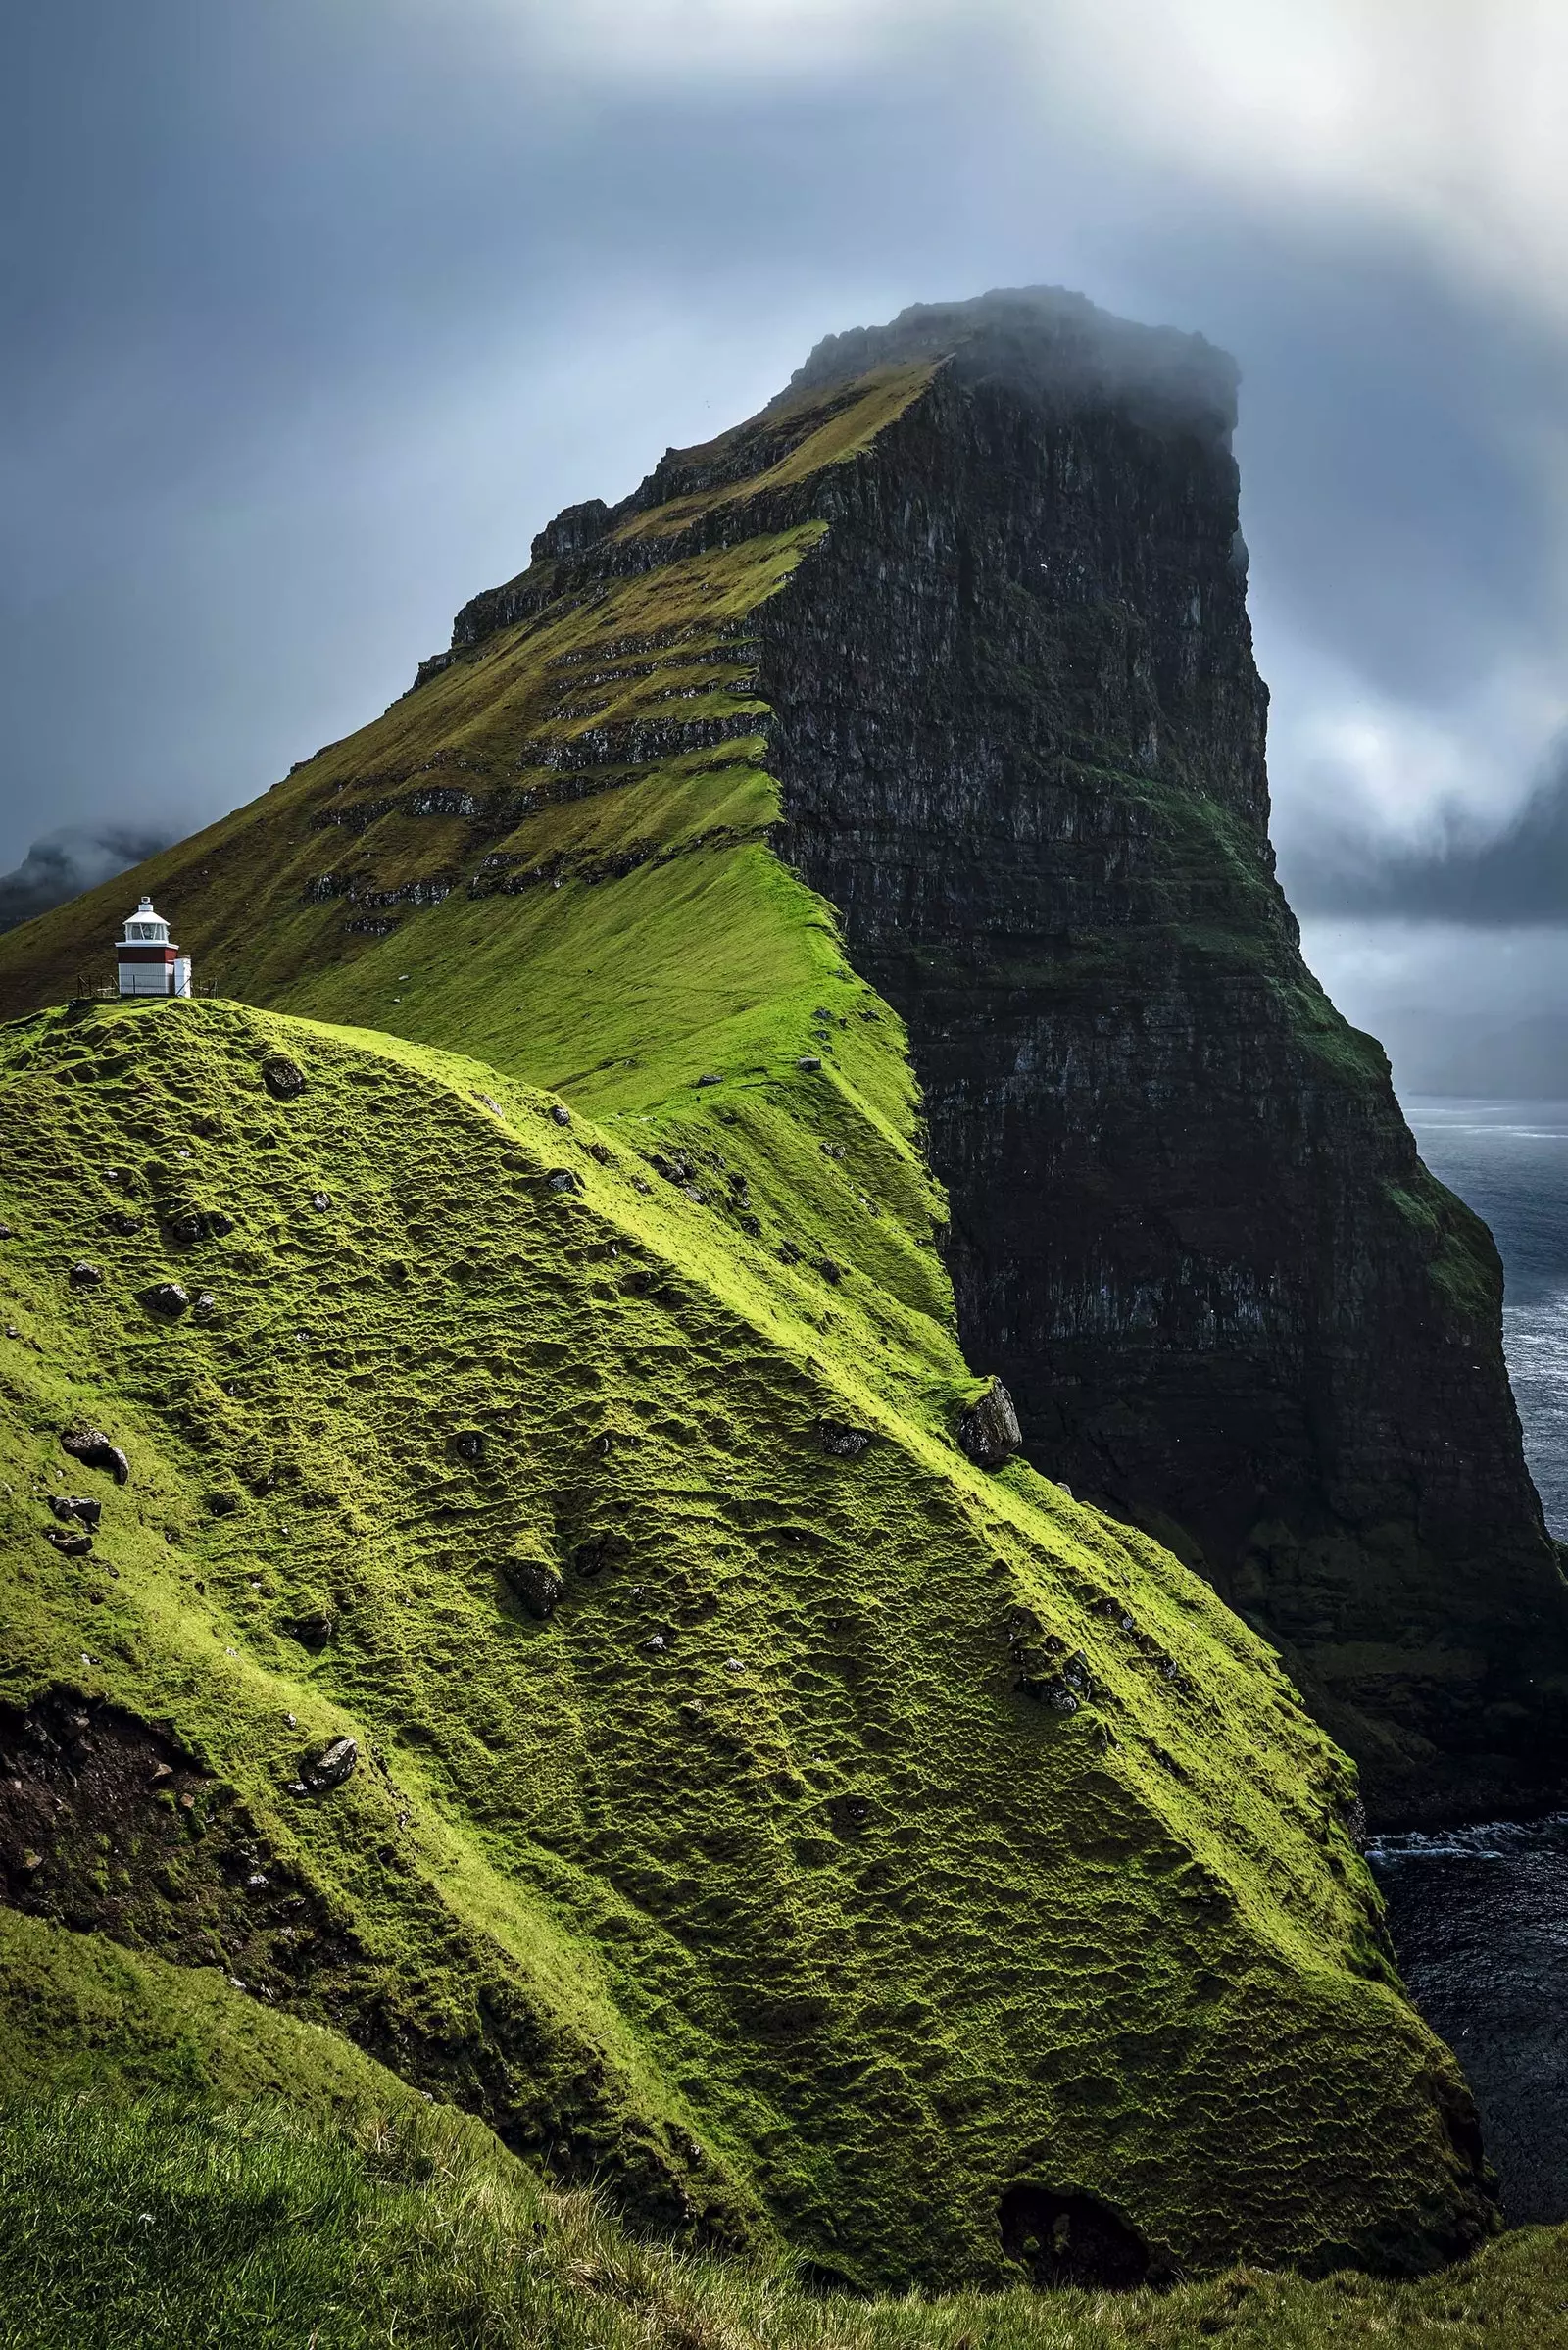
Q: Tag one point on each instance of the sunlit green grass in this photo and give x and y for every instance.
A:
(143, 2227)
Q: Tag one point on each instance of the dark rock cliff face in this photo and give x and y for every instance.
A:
(1019, 736)
(1021, 741)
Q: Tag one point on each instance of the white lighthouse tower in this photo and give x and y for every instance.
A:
(150, 962)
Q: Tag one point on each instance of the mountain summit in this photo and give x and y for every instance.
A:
(958, 624)
(506, 1426)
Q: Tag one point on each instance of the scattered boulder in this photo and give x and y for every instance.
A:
(561, 1113)
(77, 1506)
(1051, 1690)
(788, 1253)
(93, 1449)
(563, 1179)
(167, 1298)
(185, 1226)
(1063, 1689)
(601, 1151)
(533, 1584)
(989, 1430)
(204, 1306)
(223, 1504)
(810, 1062)
(120, 1220)
(674, 1166)
(841, 1441)
(73, 1544)
(468, 1443)
(325, 1771)
(85, 1276)
(710, 1077)
(283, 1078)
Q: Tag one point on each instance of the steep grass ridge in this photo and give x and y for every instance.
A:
(705, 1832)
(756, 1804)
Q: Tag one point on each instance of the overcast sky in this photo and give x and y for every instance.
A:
(316, 310)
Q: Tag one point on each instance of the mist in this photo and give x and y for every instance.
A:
(65, 864)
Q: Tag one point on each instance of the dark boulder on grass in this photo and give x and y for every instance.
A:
(533, 1584)
(841, 1441)
(319, 1775)
(85, 1276)
(283, 1078)
(79, 1507)
(73, 1544)
(168, 1300)
(185, 1226)
(989, 1430)
(94, 1450)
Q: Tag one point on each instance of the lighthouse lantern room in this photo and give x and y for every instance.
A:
(150, 963)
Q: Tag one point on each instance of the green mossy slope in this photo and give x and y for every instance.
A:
(80, 2015)
(151, 2227)
(751, 1875)
(552, 854)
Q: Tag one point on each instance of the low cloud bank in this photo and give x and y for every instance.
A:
(1489, 880)
(65, 864)
(1461, 1007)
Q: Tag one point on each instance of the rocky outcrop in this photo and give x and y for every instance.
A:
(974, 588)
(1020, 737)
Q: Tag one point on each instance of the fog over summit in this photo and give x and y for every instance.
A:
(304, 339)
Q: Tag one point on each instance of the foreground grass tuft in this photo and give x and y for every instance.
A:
(151, 2225)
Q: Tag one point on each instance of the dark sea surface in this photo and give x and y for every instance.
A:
(1479, 1915)
(1508, 1160)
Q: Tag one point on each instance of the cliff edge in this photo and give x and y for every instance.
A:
(959, 622)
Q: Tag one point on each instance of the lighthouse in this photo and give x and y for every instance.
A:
(150, 962)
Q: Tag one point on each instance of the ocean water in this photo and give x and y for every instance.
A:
(1508, 1160)
(1479, 1914)
(1479, 1917)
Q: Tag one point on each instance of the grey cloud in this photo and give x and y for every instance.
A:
(1514, 875)
(316, 316)
(1520, 1058)
(65, 864)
